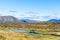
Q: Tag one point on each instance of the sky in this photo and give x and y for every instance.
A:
(31, 9)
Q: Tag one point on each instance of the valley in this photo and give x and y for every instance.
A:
(46, 30)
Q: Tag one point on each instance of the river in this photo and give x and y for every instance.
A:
(32, 32)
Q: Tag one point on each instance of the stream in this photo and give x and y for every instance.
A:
(31, 32)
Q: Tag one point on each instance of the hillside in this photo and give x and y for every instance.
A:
(8, 19)
(54, 20)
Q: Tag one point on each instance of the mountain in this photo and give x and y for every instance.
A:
(8, 19)
(28, 21)
(11, 19)
(35, 21)
(54, 20)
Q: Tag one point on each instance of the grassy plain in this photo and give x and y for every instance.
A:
(42, 28)
(23, 36)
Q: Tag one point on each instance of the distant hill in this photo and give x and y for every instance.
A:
(28, 21)
(11, 19)
(8, 19)
(54, 20)
(35, 21)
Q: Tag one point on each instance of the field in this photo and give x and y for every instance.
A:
(22, 36)
(41, 28)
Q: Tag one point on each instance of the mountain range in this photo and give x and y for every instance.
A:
(54, 20)
(35, 21)
(11, 19)
(28, 21)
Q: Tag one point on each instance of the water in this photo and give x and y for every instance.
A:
(33, 32)
(58, 36)
(24, 31)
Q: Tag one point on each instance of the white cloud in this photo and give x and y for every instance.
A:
(41, 18)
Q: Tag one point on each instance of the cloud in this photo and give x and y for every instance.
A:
(36, 16)
(31, 13)
(13, 11)
(46, 17)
